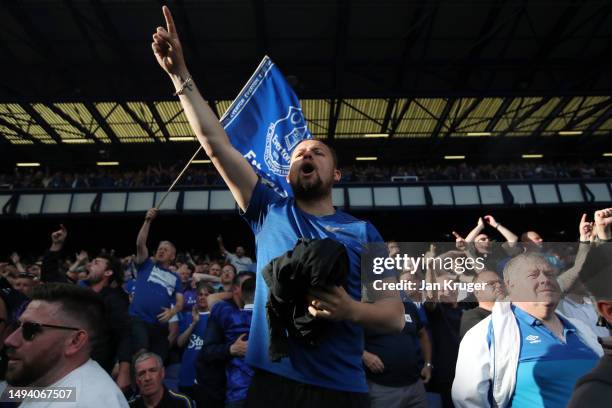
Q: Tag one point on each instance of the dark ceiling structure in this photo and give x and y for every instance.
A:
(400, 78)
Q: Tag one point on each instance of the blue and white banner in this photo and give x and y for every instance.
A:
(265, 122)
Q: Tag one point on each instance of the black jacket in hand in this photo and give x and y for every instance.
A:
(311, 264)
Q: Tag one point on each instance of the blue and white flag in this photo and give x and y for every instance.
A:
(265, 122)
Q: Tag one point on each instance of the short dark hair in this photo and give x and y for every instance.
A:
(114, 265)
(204, 285)
(78, 303)
(238, 277)
(232, 265)
(248, 290)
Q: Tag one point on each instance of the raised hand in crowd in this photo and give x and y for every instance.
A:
(480, 226)
(142, 252)
(603, 222)
(488, 219)
(509, 235)
(82, 257)
(167, 47)
(232, 166)
(151, 214)
(16, 260)
(58, 238)
(585, 229)
(459, 241)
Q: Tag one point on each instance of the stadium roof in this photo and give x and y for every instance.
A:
(164, 121)
(82, 72)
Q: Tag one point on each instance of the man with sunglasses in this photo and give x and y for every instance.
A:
(51, 346)
(11, 304)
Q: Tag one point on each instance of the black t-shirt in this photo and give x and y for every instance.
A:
(471, 318)
(444, 323)
(171, 399)
(400, 353)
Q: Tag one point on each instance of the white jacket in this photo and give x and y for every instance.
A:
(480, 367)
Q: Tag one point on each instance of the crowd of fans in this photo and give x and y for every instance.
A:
(164, 330)
(156, 176)
(171, 328)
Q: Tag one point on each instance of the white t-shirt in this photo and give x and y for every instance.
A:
(584, 312)
(241, 263)
(94, 389)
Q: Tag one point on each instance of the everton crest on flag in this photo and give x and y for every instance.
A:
(265, 122)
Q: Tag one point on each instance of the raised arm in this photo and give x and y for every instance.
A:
(603, 222)
(509, 235)
(568, 278)
(477, 230)
(142, 253)
(51, 264)
(231, 165)
(221, 246)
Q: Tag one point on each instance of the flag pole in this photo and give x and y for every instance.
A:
(177, 179)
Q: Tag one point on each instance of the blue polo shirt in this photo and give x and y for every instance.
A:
(155, 289)
(548, 368)
(278, 223)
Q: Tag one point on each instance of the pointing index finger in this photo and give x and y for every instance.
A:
(169, 20)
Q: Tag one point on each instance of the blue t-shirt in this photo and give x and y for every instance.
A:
(130, 287)
(188, 370)
(548, 368)
(156, 288)
(234, 322)
(190, 298)
(278, 223)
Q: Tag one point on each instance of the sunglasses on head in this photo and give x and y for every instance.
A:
(29, 330)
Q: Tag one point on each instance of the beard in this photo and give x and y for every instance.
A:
(93, 279)
(22, 373)
(310, 190)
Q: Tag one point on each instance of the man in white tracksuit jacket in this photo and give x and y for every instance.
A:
(524, 354)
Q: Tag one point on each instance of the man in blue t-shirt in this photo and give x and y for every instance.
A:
(192, 327)
(233, 317)
(331, 373)
(158, 293)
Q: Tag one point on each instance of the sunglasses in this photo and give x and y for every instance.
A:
(29, 330)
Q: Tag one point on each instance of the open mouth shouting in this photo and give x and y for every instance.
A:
(307, 169)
